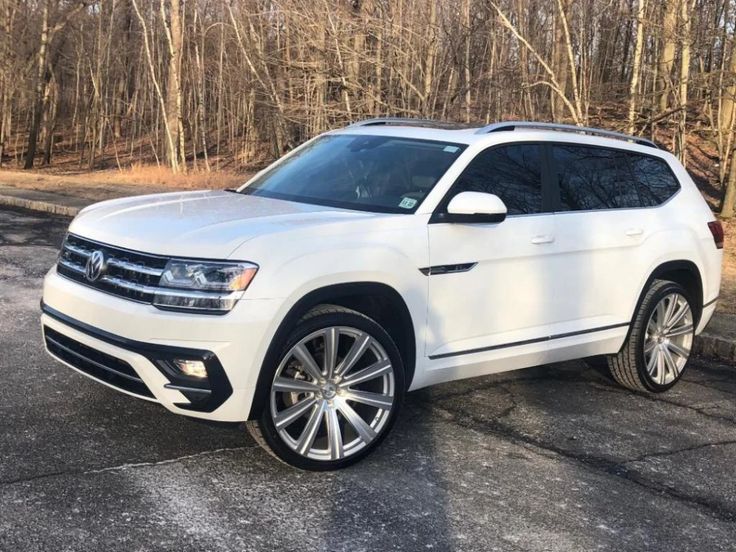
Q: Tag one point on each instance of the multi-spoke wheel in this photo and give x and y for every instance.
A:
(659, 343)
(669, 338)
(335, 391)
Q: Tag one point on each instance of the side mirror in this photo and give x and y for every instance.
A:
(475, 207)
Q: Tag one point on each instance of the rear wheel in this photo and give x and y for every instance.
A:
(334, 393)
(657, 350)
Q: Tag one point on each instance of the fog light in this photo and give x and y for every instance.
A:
(191, 368)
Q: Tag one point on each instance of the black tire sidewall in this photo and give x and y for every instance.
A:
(645, 312)
(302, 329)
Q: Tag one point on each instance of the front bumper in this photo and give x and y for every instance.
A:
(109, 368)
(130, 347)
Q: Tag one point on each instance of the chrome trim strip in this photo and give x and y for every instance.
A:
(528, 341)
(187, 389)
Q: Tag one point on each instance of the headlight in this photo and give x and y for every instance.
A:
(203, 286)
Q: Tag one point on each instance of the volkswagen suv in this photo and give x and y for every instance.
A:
(382, 258)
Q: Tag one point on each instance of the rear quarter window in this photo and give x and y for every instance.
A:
(656, 181)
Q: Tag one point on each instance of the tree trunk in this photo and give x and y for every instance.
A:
(681, 142)
(634, 84)
(175, 122)
(40, 87)
(667, 53)
(466, 63)
(729, 197)
(559, 64)
(51, 99)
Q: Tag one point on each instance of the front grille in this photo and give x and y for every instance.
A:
(97, 364)
(127, 274)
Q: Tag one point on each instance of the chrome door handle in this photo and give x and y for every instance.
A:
(633, 232)
(539, 240)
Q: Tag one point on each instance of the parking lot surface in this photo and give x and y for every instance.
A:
(551, 458)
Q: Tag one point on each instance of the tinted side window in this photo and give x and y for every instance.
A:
(594, 178)
(513, 173)
(656, 182)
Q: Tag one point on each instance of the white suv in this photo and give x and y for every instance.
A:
(381, 258)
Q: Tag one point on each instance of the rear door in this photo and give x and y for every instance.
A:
(600, 228)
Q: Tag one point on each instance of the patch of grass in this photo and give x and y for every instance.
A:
(162, 176)
(106, 184)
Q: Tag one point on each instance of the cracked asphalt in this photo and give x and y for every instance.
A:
(551, 458)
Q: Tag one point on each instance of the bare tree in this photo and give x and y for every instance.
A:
(43, 73)
(213, 83)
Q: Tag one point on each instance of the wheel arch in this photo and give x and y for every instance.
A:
(377, 300)
(684, 272)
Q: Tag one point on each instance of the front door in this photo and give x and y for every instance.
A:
(490, 285)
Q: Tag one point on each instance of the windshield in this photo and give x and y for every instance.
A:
(369, 173)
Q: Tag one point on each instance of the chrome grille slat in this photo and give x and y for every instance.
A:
(114, 261)
(129, 274)
(78, 250)
(134, 267)
(72, 266)
(163, 291)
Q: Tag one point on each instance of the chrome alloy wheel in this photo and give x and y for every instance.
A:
(332, 393)
(669, 338)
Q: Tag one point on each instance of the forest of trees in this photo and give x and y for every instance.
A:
(196, 83)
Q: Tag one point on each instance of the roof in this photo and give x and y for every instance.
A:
(462, 134)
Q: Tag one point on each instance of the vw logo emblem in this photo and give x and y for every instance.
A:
(95, 265)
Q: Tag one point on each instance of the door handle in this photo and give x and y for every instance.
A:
(633, 232)
(539, 240)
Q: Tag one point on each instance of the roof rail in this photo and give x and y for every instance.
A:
(513, 125)
(407, 121)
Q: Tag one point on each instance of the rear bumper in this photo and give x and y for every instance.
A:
(130, 347)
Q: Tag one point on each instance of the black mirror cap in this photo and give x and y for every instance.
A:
(475, 218)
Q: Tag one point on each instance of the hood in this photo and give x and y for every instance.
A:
(206, 224)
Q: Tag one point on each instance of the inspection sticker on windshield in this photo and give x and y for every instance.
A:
(450, 149)
(407, 203)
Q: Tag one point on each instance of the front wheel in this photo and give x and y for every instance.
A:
(334, 393)
(657, 350)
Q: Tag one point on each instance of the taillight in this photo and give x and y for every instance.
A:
(716, 228)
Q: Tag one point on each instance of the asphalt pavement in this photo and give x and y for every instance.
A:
(551, 458)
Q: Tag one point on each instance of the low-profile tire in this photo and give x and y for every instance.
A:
(334, 392)
(658, 347)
